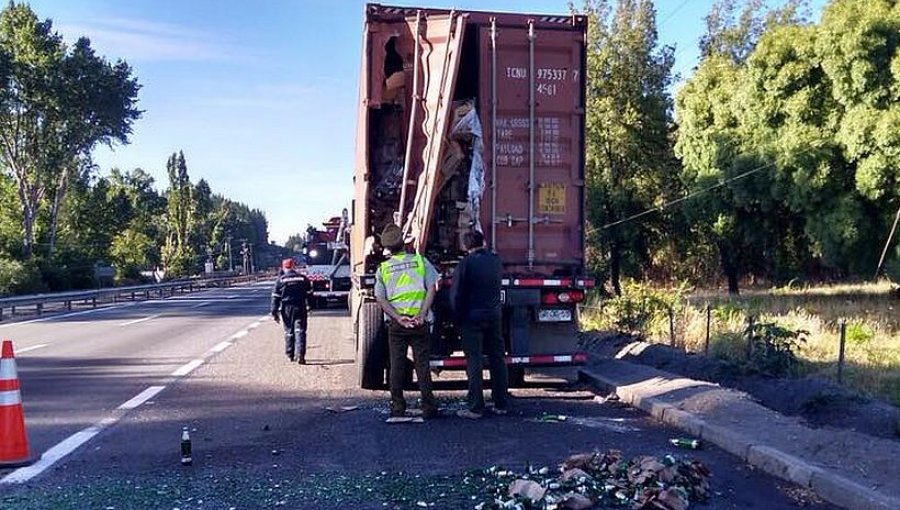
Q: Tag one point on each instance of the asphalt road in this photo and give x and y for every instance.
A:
(262, 434)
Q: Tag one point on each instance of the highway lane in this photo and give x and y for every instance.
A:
(76, 370)
(264, 437)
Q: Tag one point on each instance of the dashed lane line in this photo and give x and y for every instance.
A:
(73, 442)
(141, 397)
(32, 348)
(66, 315)
(188, 367)
(221, 346)
(138, 321)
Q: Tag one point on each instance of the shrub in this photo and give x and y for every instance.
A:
(639, 306)
(859, 333)
(774, 349)
(19, 277)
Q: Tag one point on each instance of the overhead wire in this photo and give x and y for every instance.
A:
(679, 200)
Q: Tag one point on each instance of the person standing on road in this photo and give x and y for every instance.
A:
(405, 285)
(475, 297)
(289, 301)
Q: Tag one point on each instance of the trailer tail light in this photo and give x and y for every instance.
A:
(572, 296)
(564, 298)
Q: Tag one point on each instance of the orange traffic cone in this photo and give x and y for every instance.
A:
(13, 440)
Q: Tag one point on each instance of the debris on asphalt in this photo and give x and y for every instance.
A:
(686, 443)
(342, 409)
(552, 418)
(404, 419)
(600, 479)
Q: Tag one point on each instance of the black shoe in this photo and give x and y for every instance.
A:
(301, 360)
(291, 357)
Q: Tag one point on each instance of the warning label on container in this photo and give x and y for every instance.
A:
(552, 198)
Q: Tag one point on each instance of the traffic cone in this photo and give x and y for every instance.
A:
(13, 440)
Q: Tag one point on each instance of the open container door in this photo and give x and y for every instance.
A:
(441, 46)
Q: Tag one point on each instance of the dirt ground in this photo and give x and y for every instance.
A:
(820, 402)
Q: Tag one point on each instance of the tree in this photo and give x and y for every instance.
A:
(138, 245)
(295, 243)
(56, 105)
(178, 254)
(629, 154)
(746, 219)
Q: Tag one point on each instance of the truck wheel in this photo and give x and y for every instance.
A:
(516, 377)
(371, 351)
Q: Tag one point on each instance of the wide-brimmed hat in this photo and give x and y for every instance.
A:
(392, 237)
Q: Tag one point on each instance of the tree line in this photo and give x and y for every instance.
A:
(778, 158)
(60, 220)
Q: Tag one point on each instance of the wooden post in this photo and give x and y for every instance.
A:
(750, 321)
(840, 367)
(671, 327)
(708, 323)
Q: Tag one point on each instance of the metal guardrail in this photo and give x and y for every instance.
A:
(116, 294)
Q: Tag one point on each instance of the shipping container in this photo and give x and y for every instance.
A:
(467, 121)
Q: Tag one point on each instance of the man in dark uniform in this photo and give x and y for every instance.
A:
(289, 300)
(475, 296)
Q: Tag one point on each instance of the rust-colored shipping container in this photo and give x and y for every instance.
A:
(474, 120)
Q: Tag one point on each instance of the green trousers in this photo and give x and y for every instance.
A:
(399, 341)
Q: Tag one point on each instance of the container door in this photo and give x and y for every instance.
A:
(440, 48)
(552, 132)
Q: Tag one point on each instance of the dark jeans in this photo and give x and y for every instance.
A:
(399, 340)
(480, 338)
(293, 320)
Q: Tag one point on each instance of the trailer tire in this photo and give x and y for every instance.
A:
(516, 376)
(371, 347)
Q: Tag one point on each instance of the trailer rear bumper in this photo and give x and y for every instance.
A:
(336, 295)
(537, 360)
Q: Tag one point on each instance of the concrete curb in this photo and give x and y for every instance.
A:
(831, 487)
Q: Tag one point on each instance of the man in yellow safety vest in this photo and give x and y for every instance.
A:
(405, 285)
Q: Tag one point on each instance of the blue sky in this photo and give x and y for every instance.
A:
(261, 96)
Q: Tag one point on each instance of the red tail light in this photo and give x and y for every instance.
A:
(565, 297)
(575, 296)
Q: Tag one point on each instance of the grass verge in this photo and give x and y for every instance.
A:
(679, 316)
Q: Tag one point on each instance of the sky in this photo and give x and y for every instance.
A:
(261, 96)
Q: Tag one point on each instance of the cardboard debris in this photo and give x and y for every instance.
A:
(602, 480)
(575, 501)
(528, 489)
(404, 419)
(342, 409)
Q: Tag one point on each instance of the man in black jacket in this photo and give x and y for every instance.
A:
(475, 296)
(289, 300)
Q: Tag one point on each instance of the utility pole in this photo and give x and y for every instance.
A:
(252, 265)
(230, 260)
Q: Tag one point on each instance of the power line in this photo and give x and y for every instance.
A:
(684, 198)
(673, 13)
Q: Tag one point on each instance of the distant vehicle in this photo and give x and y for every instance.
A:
(328, 261)
(474, 121)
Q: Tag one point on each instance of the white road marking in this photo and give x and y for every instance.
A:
(221, 346)
(136, 321)
(32, 348)
(51, 456)
(202, 304)
(188, 367)
(142, 397)
(63, 316)
(253, 326)
(265, 317)
(240, 334)
(73, 442)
